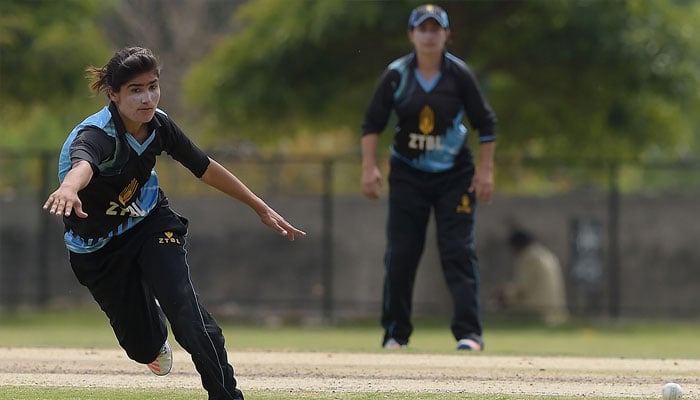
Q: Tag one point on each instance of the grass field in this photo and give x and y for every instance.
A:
(655, 339)
(89, 330)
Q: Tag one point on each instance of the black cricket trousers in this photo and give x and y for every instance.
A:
(412, 196)
(139, 279)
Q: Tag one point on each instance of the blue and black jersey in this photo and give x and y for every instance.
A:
(124, 188)
(430, 134)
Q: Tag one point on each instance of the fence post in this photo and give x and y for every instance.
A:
(614, 240)
(327, 241)
(43, 272)
(9, 274)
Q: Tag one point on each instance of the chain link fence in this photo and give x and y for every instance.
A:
(624, 231)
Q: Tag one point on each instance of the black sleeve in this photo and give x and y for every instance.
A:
(93, 145)
(382, 103)
(182, 149)
(478, 111)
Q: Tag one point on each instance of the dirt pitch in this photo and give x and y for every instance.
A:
(365, 372)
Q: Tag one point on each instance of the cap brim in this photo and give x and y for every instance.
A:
(426, 17)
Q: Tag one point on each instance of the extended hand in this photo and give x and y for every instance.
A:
(63, 201)
(372, 182)
(275, 221)
(483, 184)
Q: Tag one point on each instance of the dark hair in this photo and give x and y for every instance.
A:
(124, 65)
(519, 239)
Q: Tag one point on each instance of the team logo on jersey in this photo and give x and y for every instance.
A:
(426, 120)
(133, 210)
(168, 237)
(425, 140)
(128, 192)
(465, 207)
(121, 209)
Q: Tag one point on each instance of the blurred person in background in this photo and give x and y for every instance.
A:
(537, 289)
(126, 244)
(431, 168)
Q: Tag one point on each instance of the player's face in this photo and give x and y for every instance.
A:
(137, 99)
(429, 37)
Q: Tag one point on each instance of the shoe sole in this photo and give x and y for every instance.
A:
(155, 366)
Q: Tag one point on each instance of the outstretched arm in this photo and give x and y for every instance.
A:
(65, 199)
(222, 179)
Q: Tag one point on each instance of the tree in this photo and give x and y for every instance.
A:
(44, 47)
(595, 78)
(579, 78)
(309, 63)
(180, 32)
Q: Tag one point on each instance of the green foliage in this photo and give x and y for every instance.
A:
(569, 78)
(301, 63)
(594, 78)
(45, 46)
(585, 78)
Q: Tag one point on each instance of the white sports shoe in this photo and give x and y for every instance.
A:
(164, 362)
(468, 344)
(391, 343)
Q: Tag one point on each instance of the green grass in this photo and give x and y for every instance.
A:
(632, 339)
(64, 393)
(89, 329)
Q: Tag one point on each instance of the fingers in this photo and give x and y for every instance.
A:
(371, 194)
(372, 183)
(483, 189)
(79, 211)
(485, 195)
(371, 191)
(293, 232)
(286, 229)
(62, 208)
(474, 184)
(59, 206)
(279, 224)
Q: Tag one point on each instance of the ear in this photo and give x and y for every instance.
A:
(447, 33)
(111, 95)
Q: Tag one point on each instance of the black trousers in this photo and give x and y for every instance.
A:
(412, 196)
(139, 279)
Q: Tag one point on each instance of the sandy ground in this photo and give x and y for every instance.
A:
(375, 372)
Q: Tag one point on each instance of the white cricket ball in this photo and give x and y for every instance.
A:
(672, 391)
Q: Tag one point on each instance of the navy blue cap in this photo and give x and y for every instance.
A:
(421, 13)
